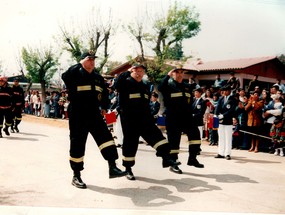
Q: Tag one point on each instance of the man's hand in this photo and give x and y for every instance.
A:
(170, 72)
(103, 112)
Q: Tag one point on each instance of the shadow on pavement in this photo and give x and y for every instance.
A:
(183, 185)
(225, 178)
(150, 197)
(33, 134)
(22, 138)
(245, 160)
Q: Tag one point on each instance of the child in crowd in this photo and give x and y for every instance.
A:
(236, 134)
(212, 126)
(277, 133)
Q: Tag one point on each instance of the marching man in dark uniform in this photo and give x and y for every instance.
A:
(178, 103)
(137, 120)
(88, 97)
(19, 102)
(6, 105)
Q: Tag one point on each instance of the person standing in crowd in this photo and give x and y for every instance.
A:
(193, 83)
(233, 83)
(38, 105)
(255, 120)
(154, 105)
(136, 119)
(252, 84)
(33, 100)
(89, 101)
(47, 105)
(219, 82)
(55, 105)
(280, 85)
(225, 111)
(277, 134)
(209, 110)
(178, 101)
(6, 106)
(236, 134)
(28, 109)
(19, 104)
(198, 110)
(242, 117)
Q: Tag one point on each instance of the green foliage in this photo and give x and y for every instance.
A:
(41, 64)
(175, 52)
(180, 23)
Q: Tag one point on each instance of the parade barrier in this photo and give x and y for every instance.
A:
(247, 132)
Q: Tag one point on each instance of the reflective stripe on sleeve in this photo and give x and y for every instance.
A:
(97, 88)
(187, 95)
(135, 96)
(146, 96)
(84, 88)
(173, 95)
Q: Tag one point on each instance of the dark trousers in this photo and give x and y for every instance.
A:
(16, 116)
(94, 124)
(7, 115)
(143, 126)
(213, 132)
(175, 126)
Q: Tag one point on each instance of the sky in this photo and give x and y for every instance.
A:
(230, 29)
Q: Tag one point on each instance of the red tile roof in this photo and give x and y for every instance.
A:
(226, 64)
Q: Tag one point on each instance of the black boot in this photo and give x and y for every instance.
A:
(167, 161)
(130, 174)
(6, 131)
(77, 181)
(114, 171)
(175, 169)
(16, 128)
(192, 161)
(12, 129)
(1, 134)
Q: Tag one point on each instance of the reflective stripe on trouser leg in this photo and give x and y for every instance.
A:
(174, 153)
(194, 147)
(128, 161)
(76, 163)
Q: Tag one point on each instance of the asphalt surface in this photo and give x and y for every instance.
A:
(35, 178)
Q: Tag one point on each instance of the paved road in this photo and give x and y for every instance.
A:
(36, 179)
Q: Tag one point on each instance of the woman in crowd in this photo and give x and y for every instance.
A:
(255, 120)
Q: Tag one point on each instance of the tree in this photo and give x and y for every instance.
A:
(180, 23)
(175, 52)
(95, 38)
(282, 58)
(41, 64)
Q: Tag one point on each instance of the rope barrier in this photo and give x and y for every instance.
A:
(255, 134)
